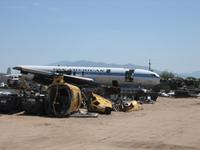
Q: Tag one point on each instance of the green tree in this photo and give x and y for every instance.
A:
(165, 75)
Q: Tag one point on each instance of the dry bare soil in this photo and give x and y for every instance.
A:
(169, 124)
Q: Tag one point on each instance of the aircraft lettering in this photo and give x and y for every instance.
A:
(78, 70)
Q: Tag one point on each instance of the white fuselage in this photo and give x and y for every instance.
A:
(106, 76)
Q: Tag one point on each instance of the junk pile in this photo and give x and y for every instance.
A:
(178, 87)
(127, 106)
(10, 103)
(61, 99)
(145, 96)
(59, 104)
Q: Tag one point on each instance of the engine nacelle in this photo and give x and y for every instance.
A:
(62, 99)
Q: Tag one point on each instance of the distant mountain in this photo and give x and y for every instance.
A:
(195, 74)
(96, 64)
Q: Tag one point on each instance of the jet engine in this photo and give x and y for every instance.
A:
(62, 99)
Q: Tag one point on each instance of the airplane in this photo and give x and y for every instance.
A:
(121, 77)
(11, 79)
(65, 84)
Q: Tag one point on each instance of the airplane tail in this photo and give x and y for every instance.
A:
(9, 71)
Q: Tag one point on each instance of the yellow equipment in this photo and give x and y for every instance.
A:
(99, 104)
(63, 99)
(130, 106)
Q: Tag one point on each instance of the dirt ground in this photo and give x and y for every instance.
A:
(169, 124)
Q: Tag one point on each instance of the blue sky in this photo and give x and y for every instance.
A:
(40, 32)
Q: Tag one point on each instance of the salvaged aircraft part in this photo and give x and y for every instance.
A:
(129, 106)
(3, 85)
(89, 75)
(145, 95)
(34, 104)
(10, 103)
(163, 94)
(14, 82)
(99, 104)
(181, 93)
(112, 90)
(126, 105)
(82, 114)
(186, 92)
(62, 99)
(171, 84)
(182, 86)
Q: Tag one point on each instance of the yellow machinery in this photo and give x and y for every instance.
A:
(63, 99)
(130, 106)
(99, 104)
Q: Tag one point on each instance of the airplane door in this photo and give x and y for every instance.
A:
(129, 75)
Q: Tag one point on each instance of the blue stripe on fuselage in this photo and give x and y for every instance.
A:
(146, 75)
(117, 74)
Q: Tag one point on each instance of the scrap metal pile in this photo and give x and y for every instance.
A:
(179, 87)
(60, 99)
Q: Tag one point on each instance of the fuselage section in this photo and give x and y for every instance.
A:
(106, 76)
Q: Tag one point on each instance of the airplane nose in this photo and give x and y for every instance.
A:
(157, 75)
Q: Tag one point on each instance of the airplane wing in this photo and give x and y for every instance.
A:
(78, 80)
(27, 69)
(46, 77)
